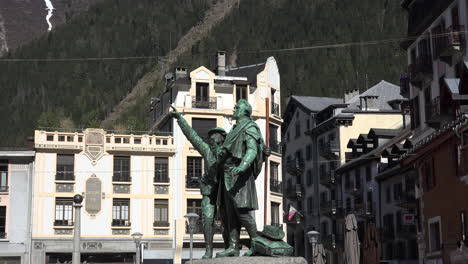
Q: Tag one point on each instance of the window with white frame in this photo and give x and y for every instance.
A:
(63, 212)
(435, 234)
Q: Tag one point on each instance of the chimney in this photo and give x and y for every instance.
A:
(180, 72)
(350, 94)
(221, 63)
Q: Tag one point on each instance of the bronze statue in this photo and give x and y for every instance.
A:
(242, 154)
(209, 181)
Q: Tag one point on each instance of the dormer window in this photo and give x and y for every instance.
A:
(202, 97)
(241, 92)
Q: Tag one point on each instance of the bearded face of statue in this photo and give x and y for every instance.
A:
(216, 140)
(241, 109)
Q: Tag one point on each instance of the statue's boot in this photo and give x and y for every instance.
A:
(251, 228)
(208, 233)
(233, 249)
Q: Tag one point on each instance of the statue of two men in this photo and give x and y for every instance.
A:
(233, 162)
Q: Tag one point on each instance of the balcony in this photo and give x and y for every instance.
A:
(421, 71)
(64, 176)
(204, 102)
(406, 200)
(352, 189)
(276, 186)
(192, 182)
(121, 223)
(275, 146)
(451, 43)
(364, 211)
(328, 178)
(331, 208)
(120, 177)
(4, 189)
(160, 224)
(294, 191)
(161, 179)
(407, 231)
(329, 150)
(333, 242)
(63, 223)
(275, 110)
(435, 116)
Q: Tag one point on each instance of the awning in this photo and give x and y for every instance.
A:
(453, 84)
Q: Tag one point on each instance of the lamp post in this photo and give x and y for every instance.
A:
(191, 219)
(76, 256)
(137, 238)
(313, 239)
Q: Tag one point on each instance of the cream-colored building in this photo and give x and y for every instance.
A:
(125, 183)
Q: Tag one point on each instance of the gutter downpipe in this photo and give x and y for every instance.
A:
(267, 143)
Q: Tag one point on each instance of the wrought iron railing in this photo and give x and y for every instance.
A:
(275, 146)
(161, 179)
(276, 186)
(63, 223)
(275, 110)
(121, 177)
(121, 222)
(4, 188)
(161, 224)
(64, 176)
(204, 102)
(192, 181)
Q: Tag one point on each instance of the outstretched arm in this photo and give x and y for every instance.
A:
(197, 142)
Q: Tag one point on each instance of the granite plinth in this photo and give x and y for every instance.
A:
(251, 260)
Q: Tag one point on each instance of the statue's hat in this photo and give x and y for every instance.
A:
(272, 232)
(217, 130)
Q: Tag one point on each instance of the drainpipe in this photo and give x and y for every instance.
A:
(267, 143)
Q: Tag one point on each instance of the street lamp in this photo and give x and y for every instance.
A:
(137, 238)
(76, 255)
(313, 239)
(191, 219)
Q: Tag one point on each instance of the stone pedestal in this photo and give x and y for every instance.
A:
(251, 260)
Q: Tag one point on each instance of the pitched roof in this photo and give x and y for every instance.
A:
(316, 104)
(249, 71)
(385, 92)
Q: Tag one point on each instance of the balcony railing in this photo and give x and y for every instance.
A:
(204, 102)
(4, 189)
(275, 146)
(329, 149)
(63, 223)
(328, 178)
(121, 222)
(421, 70)
(331, 208)
(161, 179)
(161, 224)
(275, 110)
(276, 186)
(121, 178)
(192, 182)
(294, 191)
(405, 200)
(64, 176)
(333, 241)
(450, 43)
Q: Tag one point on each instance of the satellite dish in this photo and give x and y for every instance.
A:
(169, 76)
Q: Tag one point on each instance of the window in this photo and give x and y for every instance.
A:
(348, 205)
(309, 152)
(275, 218)
(324, 228)
(201, 92)
(414, 105)
(368, 173)
(428, 174)
(194, 167)
(63, 211)
(370, 205)
(389, 231)
(298, 129)
(121, 169)
(161, 169)
(202, 126)
(388, 194)
(161, 217)
(4, 178)
(434, 234)
(65, 167)
(310, 204)
(194, 206)
(120, 212)
(299, 156)
(274, 172)
(308, 124)
(428, 103)
(324, 196)
(2, 221)
(399, 221)
(241, 92)
(357, 178)
(397, 191)
(309, 177)
(463, 225)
